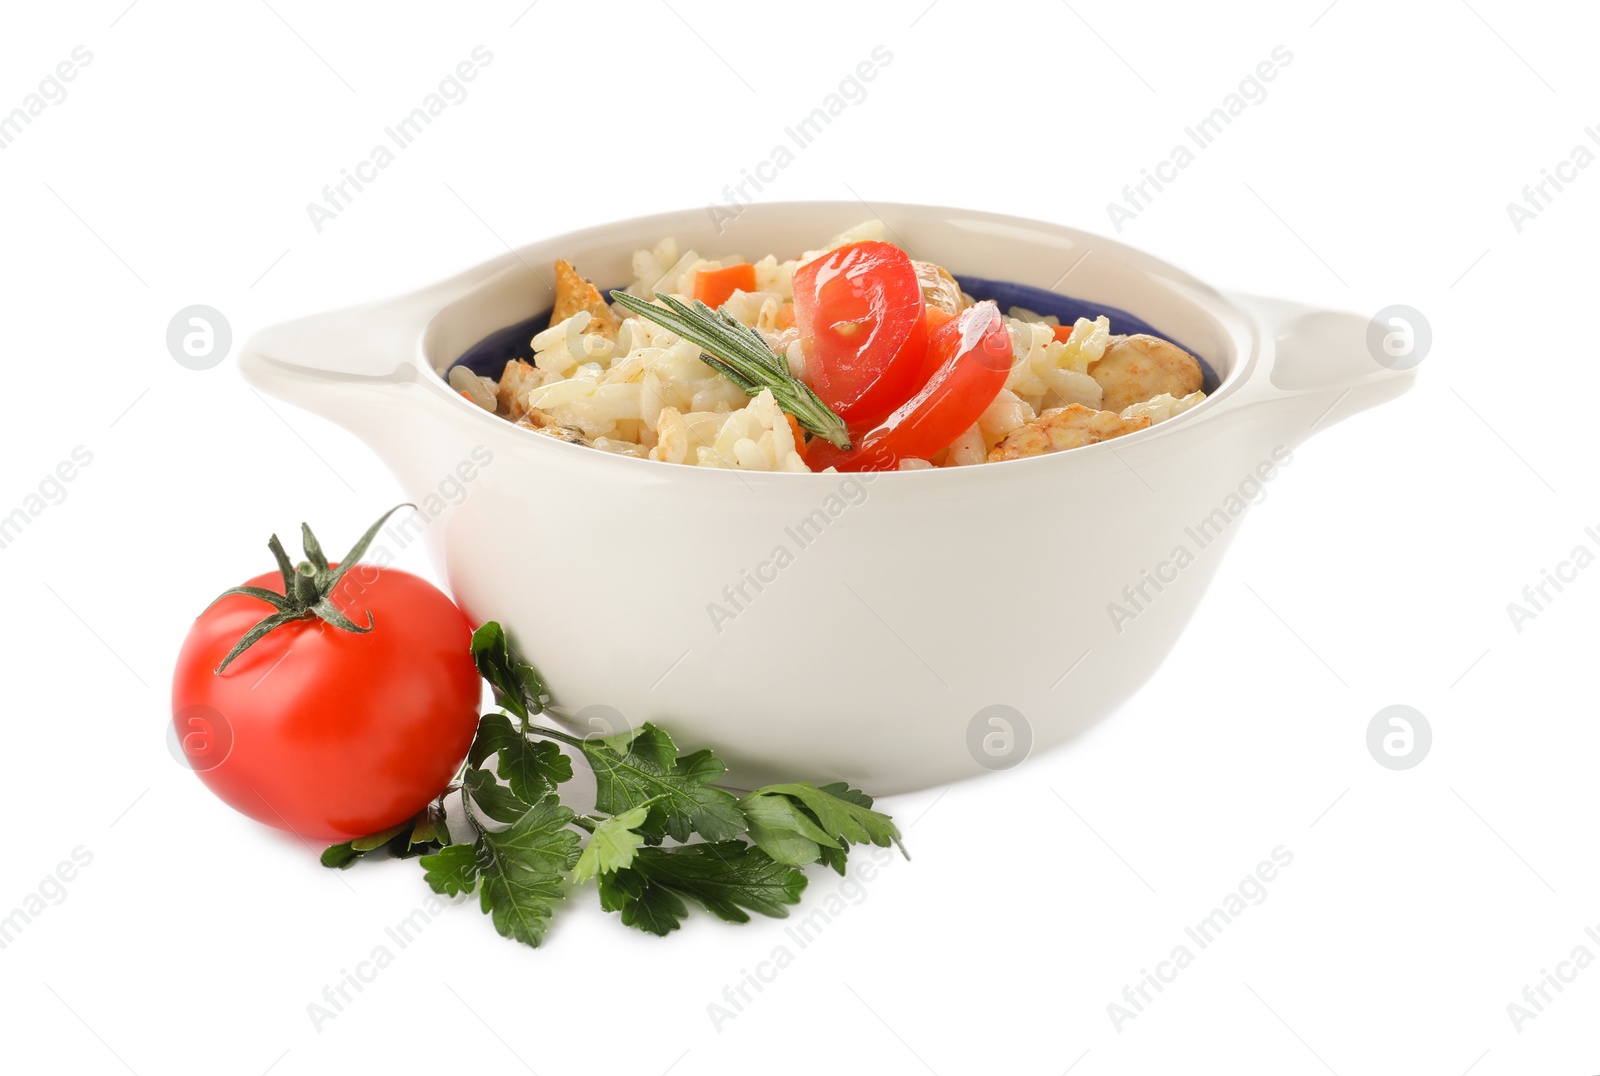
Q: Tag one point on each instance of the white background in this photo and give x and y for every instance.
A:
(1378, 570)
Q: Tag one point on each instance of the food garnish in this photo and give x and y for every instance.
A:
(863, 324)
(661, 833)
(743, 357)
(968, 361)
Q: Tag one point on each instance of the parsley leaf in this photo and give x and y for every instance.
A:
(842, 813)
(517, 685)
(526, 850)
(523, 870)
(725, 877)
(429, 827)
(339, 856)
(612, 844)
(412, 837)
(650, 769)
(650, 908)
(785, 830)
(378, 840)
(493, 798)
(647, 741)
(833, 857)
(451, 870)
(532, 767)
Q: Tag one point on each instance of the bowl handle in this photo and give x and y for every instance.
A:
(1325, 359)
(354, 365)
(348, 366)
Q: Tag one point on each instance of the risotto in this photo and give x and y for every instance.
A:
(853, 357)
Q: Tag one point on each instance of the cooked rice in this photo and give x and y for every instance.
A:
(646, 393)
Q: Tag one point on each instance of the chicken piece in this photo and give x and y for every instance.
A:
(939, 288)
(573, 293)
(1135, 368)
(516, 381)
(539, 422)
(1061, 428)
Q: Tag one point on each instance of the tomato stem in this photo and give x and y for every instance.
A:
(307, 588)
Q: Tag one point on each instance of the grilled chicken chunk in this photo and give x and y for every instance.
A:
(1137, 368)
(516, 381)
(573, 293)
(1061, 428)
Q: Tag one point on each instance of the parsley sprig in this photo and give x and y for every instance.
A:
(661, 835)
(740, 354)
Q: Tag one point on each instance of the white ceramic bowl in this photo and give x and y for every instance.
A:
(925, 626)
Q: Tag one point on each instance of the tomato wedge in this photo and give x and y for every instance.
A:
(859, 310)
(973, 353)
(715, 286)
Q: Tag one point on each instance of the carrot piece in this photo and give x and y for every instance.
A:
(937, 317)
(799, 433)
(1062, 333)
(714, 286)
(786, 316)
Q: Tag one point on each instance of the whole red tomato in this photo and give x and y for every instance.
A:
(324, 731)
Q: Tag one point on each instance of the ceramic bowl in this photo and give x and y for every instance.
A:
(895, 631)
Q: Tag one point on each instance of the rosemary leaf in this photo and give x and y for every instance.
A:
(740, 354)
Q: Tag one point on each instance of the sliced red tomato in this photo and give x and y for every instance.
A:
(715, 286)
(860, 314)
(973, 352)
(931, 359)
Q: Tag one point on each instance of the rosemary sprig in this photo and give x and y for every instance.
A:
(739, 353)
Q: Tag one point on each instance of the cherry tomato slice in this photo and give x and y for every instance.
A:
(931, 359)
(715, 286)
(859, 310)
(974, 358)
